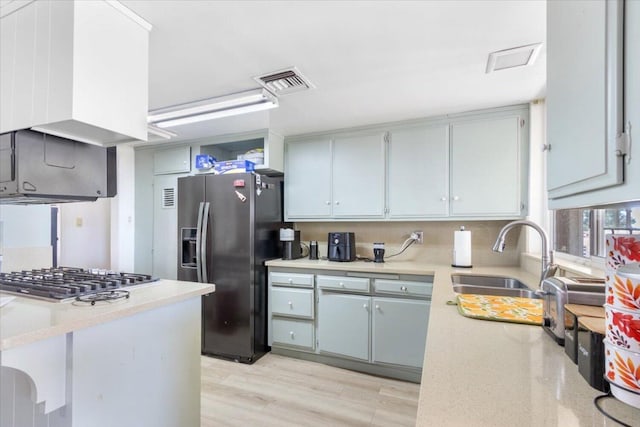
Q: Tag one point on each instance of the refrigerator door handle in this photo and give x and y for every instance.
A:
(199, 242)
(203, 251)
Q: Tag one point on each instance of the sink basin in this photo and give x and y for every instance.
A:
(489, 281)
(488, 290)
(491, 285)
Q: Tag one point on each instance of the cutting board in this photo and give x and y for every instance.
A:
(585, 310)
(500, 308)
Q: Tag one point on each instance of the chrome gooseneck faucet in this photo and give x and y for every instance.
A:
(548, 267)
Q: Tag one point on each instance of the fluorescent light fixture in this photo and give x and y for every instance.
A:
(213, 108)
(164, 134)
(515, 57)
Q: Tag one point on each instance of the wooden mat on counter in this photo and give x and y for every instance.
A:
(500, 308)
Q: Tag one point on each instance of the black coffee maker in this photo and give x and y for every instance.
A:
(341, 246)
(290, 243)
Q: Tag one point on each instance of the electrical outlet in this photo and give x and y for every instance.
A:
(420, 236)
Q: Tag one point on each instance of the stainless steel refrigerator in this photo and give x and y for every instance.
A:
(228, 226)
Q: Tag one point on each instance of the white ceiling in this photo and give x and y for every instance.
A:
(371, 61)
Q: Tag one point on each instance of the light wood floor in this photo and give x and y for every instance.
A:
(281, 391)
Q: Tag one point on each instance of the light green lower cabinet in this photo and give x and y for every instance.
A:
(374, 323)
(292, 302)
(399, 331)
(343, 325)
(291, 310)
(290, 332)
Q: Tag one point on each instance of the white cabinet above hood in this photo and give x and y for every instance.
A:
(76, 69)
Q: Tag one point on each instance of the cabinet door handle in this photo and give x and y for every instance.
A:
(291, 334)
(327, 202)
(341, 285)
(337, 202)
(456, 198)
(377, 307)
(290, 304)
(290, 280)
(443, 199)
(365, 306)
(403, 288)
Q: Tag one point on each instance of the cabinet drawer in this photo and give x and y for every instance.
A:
(298, 333)
(292, 279)
(402, 287)
(292, 302)
(345, 283)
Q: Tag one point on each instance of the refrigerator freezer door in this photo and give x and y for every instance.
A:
(190, 200)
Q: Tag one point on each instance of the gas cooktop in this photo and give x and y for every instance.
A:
(66, 283)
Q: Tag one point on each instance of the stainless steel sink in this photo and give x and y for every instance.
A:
(487, 290)
(490, 281)
(491, 285)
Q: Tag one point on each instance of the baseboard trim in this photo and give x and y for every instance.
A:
(396, 372)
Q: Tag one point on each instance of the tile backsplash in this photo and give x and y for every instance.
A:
(438, 239)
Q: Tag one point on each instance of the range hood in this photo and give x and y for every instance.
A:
(36, 168)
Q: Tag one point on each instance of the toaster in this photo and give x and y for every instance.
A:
(558, 291)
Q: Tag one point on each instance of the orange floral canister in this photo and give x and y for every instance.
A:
(623, 290)
(621, 250)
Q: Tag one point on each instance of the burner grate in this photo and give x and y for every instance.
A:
(64, 283)
(108, 297)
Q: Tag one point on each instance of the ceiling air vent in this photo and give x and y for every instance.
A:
(514, 57)
(284, 81)
(169, 197)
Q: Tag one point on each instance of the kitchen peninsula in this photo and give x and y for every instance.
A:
(486, 373)
(131, 362)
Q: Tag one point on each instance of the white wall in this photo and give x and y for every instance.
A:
(101, 234)
(25, 237)
(85, 234)
(25, 226)
(123, 214)
(143, 211)
(538, 209)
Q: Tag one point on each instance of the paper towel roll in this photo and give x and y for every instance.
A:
(461, 248)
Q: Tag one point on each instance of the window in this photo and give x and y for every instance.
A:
(582, 232)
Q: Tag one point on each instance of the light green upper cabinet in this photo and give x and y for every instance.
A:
(464, 166)
(308, 179)
(172, 160)
(336, 177)
(486, 167)
(359, 175)
(584, 96)
(419, 171)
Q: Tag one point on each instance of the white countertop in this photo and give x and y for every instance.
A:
(486, 373)
(26, 320)
(395, 267)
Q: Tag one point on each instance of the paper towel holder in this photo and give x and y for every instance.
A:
(458, 242)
